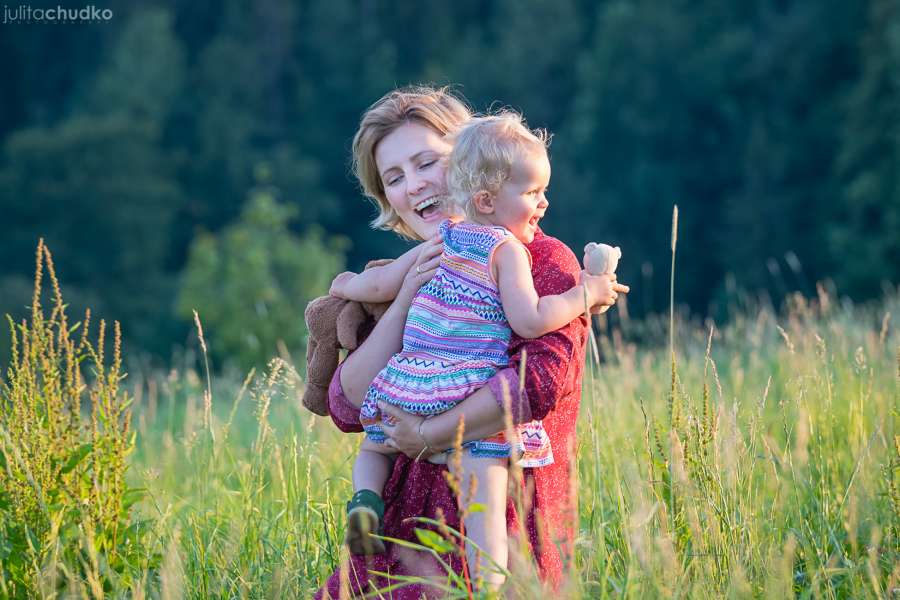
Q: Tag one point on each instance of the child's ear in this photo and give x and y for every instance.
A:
(483, 201)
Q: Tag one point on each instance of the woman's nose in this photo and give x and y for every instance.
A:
(414, 184)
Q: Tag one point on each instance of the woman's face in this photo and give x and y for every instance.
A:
(411, 161)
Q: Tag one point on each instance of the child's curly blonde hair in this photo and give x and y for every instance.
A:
(484, 150)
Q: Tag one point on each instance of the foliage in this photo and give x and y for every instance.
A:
(868, 217)
(250, 282)
(65, 506)
(772, 124)
(100, 188)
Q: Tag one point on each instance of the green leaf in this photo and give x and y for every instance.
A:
(132, 496)
(431, 539)
(76, 457)
(476, 507)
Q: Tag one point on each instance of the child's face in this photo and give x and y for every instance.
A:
(522, 200)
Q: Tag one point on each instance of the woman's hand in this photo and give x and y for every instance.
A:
(402, 431)
(603, 290)
(423, 269)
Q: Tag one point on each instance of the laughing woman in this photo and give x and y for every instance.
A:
(399, 158)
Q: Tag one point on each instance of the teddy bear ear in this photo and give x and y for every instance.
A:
(590, 246)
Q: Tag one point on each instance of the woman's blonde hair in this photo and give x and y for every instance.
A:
(437, 108)
(484, 151)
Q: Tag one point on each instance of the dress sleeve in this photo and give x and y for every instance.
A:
(342, 412)
(550, 369)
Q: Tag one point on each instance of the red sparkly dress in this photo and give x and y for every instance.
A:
(553, 371)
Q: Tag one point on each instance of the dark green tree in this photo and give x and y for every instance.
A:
(790, 106)
(250, 282)
(865, 230)
(652, 125)
(99, 188)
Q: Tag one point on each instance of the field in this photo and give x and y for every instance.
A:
(765, 464)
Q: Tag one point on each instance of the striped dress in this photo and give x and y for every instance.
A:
(456, 338)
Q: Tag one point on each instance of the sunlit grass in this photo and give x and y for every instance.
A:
(771, 471)
(779, 475)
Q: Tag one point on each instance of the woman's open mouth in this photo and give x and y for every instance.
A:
(429, 208)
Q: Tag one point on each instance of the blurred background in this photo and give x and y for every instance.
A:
(195, 154)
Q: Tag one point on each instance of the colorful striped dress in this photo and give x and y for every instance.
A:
(456, 338)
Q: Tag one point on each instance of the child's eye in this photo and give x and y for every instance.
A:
(427, 164)
(394, 180)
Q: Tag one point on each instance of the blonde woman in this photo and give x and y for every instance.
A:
(399, 158)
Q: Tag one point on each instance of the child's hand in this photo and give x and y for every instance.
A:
(602, 290)
(337, 286)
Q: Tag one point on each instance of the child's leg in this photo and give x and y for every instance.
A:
(487, 529)
(373, 466)
(365, 510)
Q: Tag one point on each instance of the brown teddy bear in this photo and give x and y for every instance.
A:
(334, 323)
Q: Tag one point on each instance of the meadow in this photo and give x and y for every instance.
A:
(760, 460)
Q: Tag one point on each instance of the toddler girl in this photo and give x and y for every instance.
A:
(459, 324)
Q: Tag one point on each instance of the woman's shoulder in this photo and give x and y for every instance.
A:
(555, 267)
(549, 249)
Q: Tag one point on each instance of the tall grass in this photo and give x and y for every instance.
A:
(767, 465)
(775, 472)
(65, 505)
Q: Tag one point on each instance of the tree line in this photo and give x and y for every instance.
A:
(195, 154)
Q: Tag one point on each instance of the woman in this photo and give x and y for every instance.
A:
(398, 152)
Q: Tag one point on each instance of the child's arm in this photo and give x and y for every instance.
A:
(531, 316)
(376, 284)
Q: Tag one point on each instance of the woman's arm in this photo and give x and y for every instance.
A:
(410, 433)
(546, 367)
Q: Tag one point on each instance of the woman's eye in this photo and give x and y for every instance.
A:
(427, 164)
(394, 180)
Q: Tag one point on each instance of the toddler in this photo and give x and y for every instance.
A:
(459, 324)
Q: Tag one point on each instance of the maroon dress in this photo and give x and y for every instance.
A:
(553, 370)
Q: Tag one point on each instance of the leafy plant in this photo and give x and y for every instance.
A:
(251, 281)
(65, 507)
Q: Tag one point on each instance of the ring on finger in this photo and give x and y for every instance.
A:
(419, 269)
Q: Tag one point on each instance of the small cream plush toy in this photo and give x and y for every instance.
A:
(600, 259)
